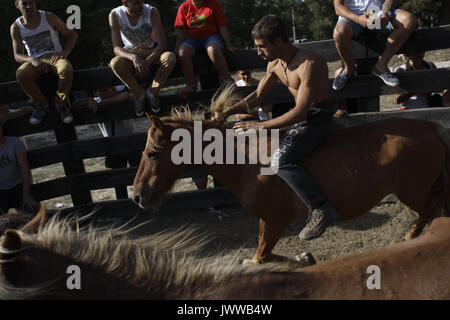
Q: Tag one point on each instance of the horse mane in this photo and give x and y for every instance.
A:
(169, 261)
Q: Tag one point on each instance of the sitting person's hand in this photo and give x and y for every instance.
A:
(363, 19)
(29, 204)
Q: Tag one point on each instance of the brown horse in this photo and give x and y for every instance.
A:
(356, 167)
(167, 266)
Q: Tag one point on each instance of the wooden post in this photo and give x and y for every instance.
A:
(368, 104)
(64, 134)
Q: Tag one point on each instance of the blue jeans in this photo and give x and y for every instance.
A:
(201, 44)
(299, 141)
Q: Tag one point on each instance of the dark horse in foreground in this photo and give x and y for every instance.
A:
(34, 262)
(356, 167)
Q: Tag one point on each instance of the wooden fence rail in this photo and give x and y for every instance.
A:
(71, 152)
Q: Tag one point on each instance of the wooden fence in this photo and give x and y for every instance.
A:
(71, 151)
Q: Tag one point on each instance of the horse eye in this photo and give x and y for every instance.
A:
(152, 155)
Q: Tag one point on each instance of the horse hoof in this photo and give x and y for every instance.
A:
(306, 258)
(250, 262)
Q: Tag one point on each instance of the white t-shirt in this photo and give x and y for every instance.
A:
(360, 6)
(138, 37)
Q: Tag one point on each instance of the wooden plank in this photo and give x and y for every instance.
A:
(95, 181)
(82, 149)
(439, 115)
(362, 86)
(175, 202)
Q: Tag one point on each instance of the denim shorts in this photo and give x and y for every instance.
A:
(358, 29)
(200, 44)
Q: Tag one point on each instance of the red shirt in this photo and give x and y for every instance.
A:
(203, 21)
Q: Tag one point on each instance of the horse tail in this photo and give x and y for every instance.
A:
(443, 183)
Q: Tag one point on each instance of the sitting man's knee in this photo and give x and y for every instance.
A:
(186, 52)
(168, 58)
(22, 73)
(342, 32)
(407, 19)
(66, 70)
(116, 63)
(214, 48)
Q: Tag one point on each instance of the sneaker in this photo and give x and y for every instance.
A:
(155, 104)
(387, 77)
(139, 106)
(318, 221)
(65, 114)
(38, 114)
(341, 80)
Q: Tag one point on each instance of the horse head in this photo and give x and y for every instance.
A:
(157, 172)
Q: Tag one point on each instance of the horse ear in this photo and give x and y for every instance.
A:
(11, 240)
(155, 121)
(37, 222)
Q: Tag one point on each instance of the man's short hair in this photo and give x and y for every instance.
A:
(270, 27)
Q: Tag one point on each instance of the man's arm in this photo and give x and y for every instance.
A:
(182, 34)
(19, 51)
(24, 165)
(342, 11)
(159, 36)
(57, 24)
(225, 33)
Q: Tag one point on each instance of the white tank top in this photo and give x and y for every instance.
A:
(44, 39)
(138, 37)
(361, 6)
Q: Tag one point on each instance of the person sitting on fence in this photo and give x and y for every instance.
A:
(114, 128)
(37, 31)
(261, 113)
(15, 173)
(415, 61)
(305, 74)
(139, 41)
(201, 25)
(354, 19)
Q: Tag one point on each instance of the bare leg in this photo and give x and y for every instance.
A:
(216, 55)
(186, 54)
(343, 34)
(404, 24)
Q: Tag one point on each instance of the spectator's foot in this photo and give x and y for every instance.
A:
(186, 92)
(154, 103)
(387, 77)
(139, 106)
(318, 221)
(341, 80)
(65, 114)
(38, 115)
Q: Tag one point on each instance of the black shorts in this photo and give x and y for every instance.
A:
(11, 198)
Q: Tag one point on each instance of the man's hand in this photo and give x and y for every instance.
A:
(363, 19)
(384, 19)
(232, 49)
(57, 56)
(39, 65)
(140, 65)
(248, 125)
(29, 203)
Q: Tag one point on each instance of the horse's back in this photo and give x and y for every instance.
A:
(357, 166)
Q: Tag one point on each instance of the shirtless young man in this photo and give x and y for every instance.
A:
(306, 75)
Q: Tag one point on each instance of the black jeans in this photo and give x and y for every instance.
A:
(299, 141)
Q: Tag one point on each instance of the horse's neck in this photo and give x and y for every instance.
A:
(230, 175)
